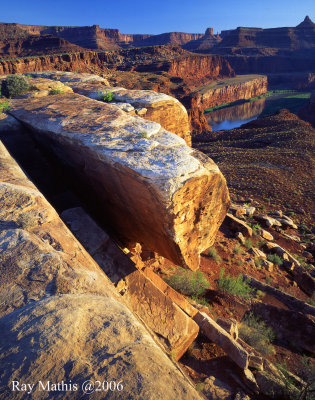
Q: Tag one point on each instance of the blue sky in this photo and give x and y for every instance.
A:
(135, 16)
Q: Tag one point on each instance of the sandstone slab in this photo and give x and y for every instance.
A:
(157, 107)
(79, 337)
(219, 336)
(154, 190)
(171, 326)
(236, 225)
(60, 316)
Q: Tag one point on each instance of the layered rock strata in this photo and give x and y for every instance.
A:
(220, 92)
(61, 318)
(152, 188)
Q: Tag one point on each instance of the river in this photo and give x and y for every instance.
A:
(237, 115)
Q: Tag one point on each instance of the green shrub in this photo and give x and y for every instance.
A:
(214, 255)
(275, 259)
(269, 280)
(236, 286)
(257, 334)
(248, 243)
(237, 249)
(107, 97)
(189, 283)
(200, 387)
(55, 91)
(258, 262)
(144, 134)
(311, 301)
(14, 85)
(4, 106)
(255, 228)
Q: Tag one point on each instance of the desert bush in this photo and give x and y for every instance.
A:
(189, 283)
(258, 262)
(107, 96)
(269, 280)
(214, 255)
(4, 105)
(14, 85)
(55, 91)
(275, 259)
(257, 334)
(144, 134)
(255, 228)
(248, 243)
(237, 249)
(236, 286)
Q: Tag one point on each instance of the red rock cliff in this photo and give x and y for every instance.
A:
(212, 94)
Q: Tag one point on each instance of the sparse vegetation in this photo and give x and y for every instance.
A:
(311, 301)
(258, 262)
(302, 390)
(144, 134)
(255, 228)
(236, 286)
(214, 255)
(4, 105)
(248, 243)
(290, 99)
(269, 280)
(200, 386)
(14, 85)
(106, 96)
(237, 249)
(275, 259)
(189, 283)
(55, 91)
(257, 334)
(172, 356)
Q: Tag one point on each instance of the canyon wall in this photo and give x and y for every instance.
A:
(194, 68)
(94, 37)
(265, 64)
(64, 62)
(215, 93)
(201, 68)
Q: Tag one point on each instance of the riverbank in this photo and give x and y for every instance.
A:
(295, 97)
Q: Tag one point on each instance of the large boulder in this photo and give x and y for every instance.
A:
(152, 188)
(62, 321)
(153, 106)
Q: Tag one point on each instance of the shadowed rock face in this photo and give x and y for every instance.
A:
(60, 317)
(153, 188)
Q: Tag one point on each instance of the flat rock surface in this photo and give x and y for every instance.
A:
(84, 337)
